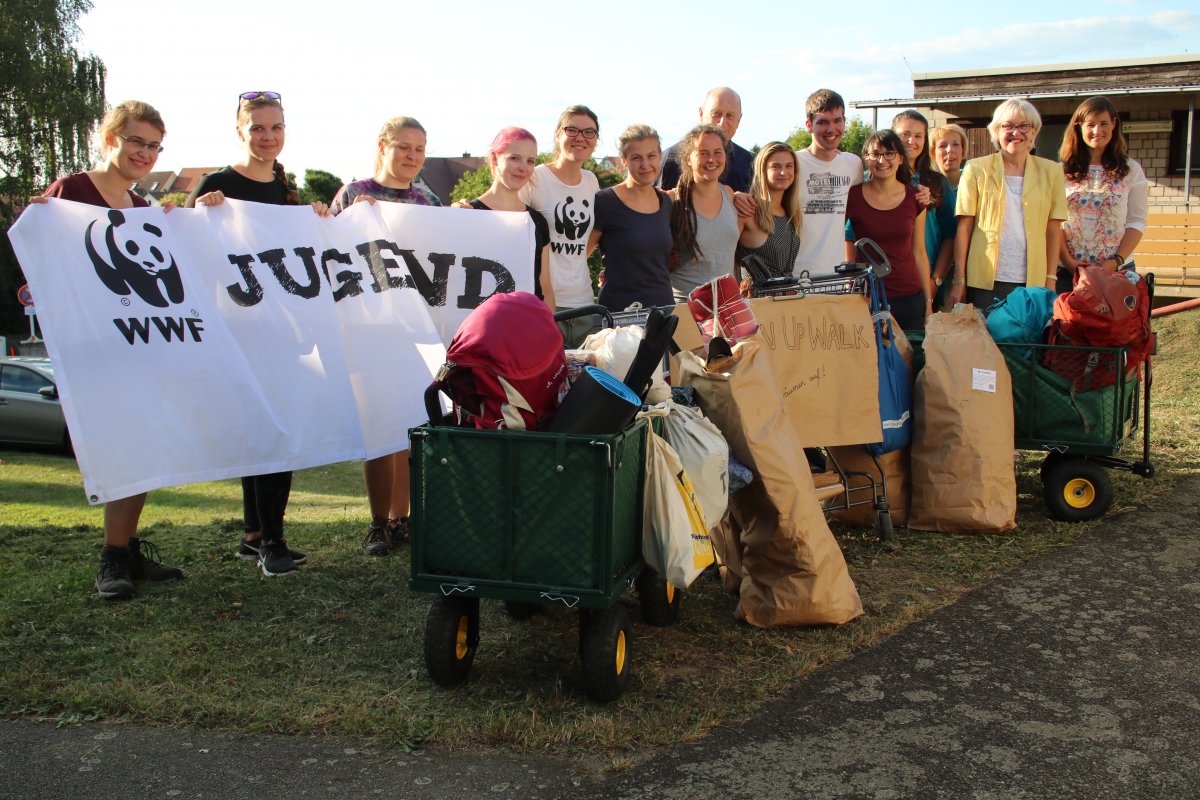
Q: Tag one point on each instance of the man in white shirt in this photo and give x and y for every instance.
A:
(825, 176)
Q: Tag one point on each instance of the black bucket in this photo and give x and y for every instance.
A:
(597, 403)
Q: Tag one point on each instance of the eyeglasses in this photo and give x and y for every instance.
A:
(137, 144)
(588, 133)
(1022, 127)
(882, 155)
(255, 95)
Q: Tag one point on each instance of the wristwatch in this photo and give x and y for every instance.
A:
(957, 282)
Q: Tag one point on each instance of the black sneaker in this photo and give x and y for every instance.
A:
(146, 565)
(113, 581)
(379, 539)
(399, 530)
(274, 559)
(248, 551)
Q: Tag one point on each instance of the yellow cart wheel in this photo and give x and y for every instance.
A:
(1076, 490)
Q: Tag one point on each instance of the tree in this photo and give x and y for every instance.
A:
(857, 131)
(51, 98)
(319, 185)
(179, 198)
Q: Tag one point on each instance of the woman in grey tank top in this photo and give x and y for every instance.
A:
(704, 224)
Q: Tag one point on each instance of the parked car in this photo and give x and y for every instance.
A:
(29, 409)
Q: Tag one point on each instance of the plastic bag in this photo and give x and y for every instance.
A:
(895, 387)
(705, 456)
(675, 540)
(615, 349)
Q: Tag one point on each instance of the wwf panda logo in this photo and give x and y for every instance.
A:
(135, 259)
(572, 220)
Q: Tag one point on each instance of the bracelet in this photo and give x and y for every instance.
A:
(957, 282)
(1120, 259)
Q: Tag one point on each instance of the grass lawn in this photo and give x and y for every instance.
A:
(337, 649)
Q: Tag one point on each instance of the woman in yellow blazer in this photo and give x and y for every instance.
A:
(1010, 208)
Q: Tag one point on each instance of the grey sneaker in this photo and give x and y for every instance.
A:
(113, 579)
(274, 559)
(379, 539)
(146, 565)
(248, 551)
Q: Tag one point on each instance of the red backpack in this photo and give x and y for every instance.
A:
(1105, 309)
(505, 367)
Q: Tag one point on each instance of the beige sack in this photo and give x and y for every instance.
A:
(855, 458)
(963, 477)
(792, 570)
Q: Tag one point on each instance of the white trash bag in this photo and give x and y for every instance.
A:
(705, 456)
(675, 539)
(615, 349)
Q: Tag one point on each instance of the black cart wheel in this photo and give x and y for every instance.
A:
(1077, 490)
(883, 525)
(518, 610)
(1049, 461)
(606, 654)
(451, 638)
(659, 599)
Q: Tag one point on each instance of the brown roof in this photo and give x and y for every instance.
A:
(188, 177)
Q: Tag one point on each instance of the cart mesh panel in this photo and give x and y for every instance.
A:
(528, 509)
(1046, 409)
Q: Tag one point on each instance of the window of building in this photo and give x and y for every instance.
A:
(1178, 157)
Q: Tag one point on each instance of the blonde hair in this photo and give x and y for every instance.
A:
(119, 115)
(636, 133)
(565, 117)
(1009, 109)
(245, 109)
(762, 195)
(390, 129)
(937, 134)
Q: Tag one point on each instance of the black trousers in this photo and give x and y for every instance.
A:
(264, 499)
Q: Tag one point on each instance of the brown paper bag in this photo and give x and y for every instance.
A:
(821, 349)
(896, 468)
(963, 478)
(855, 458)
(792, 570)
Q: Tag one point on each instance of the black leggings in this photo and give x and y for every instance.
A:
(264, 499)
(909, 311)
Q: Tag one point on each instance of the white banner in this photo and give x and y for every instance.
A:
(247, 339)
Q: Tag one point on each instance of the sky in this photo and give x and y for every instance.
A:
(467, 69)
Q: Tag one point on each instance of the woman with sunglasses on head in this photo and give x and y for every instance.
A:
(940, 222)
(771, 238)
(1010, 208)
(131, 136)
(705, 226)
(564, 193)
(399, 157)
(633, 227)
(1107, 193)
(258, 177)
(885, 209)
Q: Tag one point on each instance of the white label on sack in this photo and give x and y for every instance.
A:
(983, 380)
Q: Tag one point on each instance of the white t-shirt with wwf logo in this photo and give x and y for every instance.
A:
(570, 212)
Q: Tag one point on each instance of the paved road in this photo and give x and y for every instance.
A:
(1072, 677)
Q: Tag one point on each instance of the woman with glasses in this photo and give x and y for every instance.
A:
(1010, 208)
(633, 227)
(771, 238)
(940, 222)
(1107, 193)
(399, 157)
(131, 135)
(705, 226)
(564, 193)
(259, 177)
(886, 209)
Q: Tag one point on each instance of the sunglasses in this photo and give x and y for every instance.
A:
(255, 95)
